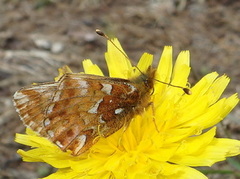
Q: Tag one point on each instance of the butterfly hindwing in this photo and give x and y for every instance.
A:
(73, 111)
(30, 103)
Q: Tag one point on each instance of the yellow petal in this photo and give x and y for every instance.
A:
(90, 68)
(64, 174)
(144, 63)
(164, 70)
(118, 64)
(61, 71)
(184, 172)
(209, 150)
(181, 69)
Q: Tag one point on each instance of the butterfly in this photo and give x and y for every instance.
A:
(78, 108)
(75, 110)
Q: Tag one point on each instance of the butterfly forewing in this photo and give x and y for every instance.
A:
(73, 111)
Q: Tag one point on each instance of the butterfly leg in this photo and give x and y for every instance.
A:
(153, 116)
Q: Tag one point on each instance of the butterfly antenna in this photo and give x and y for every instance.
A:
(186, 90)
(99, 32)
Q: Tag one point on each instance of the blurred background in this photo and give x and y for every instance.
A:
(37, 37)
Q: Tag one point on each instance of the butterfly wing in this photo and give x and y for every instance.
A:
(30, 103)
(75, 110)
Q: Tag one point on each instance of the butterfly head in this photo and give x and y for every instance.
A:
(148, 77)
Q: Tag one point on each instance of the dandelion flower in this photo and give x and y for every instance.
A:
(173, 134)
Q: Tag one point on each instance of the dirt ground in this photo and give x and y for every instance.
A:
(37, 37)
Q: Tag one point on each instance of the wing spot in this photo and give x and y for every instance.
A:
(57, 96)
(83, 92)
(119, 110)
(94, 108)
(25, 116)
(19, 95)
(50, 133)
(59, 144)
(42, 88)
(101, 120)
(39, 129)
(83, 84)
(133, 88)
(20, 98)
(50, 108)
(81, 142)
(47, 122)
(18, 111)
(86, 121)
(107, 88)
(30, 123)
(20, 105)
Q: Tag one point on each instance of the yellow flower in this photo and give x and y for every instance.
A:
(175, 133)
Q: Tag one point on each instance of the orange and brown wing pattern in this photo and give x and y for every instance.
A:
(75, 110)
(31, 102)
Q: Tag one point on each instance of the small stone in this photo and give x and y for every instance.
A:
(57, 47)
(90, 37)
(42, 43)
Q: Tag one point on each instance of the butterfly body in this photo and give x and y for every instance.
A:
(77, 108)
